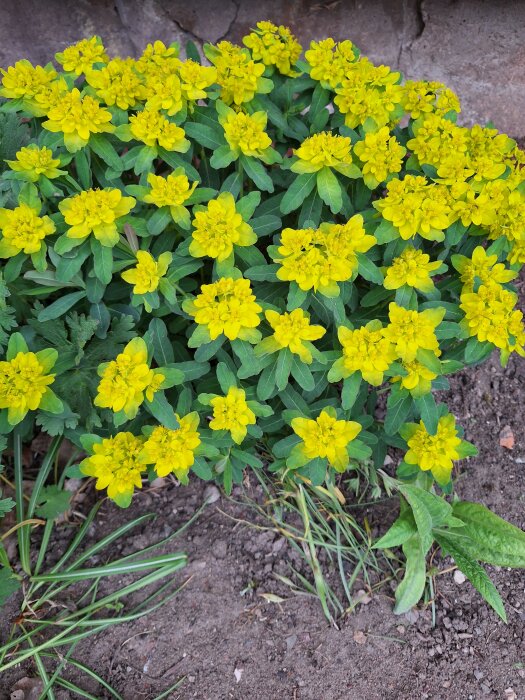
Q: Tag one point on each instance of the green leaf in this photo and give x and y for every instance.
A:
(297, 192)
(102, 147)
(60, 306)
(162, 347)
(476, 352)
(102, 262)
(205, 135)
(402, 529)
(399, 405)
(329, 189)
(9, 584)
(411, 588)
(283, 368)
(162, 411)
(428, 410)
(368, 270)
(257, 173)
(429, 359)
(53, 501)
(266, 383)
(159, 220)
(248, 204)
(302, 374)
(225, 377)
(475, 573)
(351, 386)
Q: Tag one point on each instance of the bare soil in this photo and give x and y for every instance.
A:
(229, 642)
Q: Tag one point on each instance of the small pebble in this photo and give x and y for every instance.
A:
(459, 577)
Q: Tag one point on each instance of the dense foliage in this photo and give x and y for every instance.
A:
(269, 261)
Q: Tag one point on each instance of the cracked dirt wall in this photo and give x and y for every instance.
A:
(475, 46)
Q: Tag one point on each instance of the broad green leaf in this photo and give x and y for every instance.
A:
(297, 192)
(399, 406)
(162, 347)
(402, 529)
(329, 189)
(411, 588)
(60, 306)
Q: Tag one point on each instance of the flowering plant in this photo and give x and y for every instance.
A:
(269, 255)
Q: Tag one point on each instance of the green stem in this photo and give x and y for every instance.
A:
(240, 171)
(19, 497)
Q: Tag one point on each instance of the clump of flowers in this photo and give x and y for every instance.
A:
(263, 259)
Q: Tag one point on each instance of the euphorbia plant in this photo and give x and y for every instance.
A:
(253, 254)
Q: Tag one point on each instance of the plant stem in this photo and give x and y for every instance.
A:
(240, 171)
(23, 548)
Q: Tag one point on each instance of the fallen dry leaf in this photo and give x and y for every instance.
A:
(506, 438)
(359, 637)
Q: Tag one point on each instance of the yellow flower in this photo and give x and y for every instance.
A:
(326, 437)
(319, 259)
(329, 61)
(413, 268)
(218, 228)
(239, 77)
(232, 413)
(80, 57)
(164, 92)
(323, 150)
(274, 46)
(482, 266)
(116, 465)
(24, 384)
(173, 451)
(127, 380)
(77, 118)
(148, 272)
(473, 207)
(368, 350)
(171, 191)
(434, 452)
(33, 162)
(381, 154)
(490, 315)
(226, 306)
(245, 133)
(150, 127)
(23, 230)
(47, 98)
(118, 83)
(418, 378)
(24, 81)
(96, 212)
(157, 55)
(410, 331)
(516, 254)
(416, 207)
(194, 79)
(290, 330)
(421, 97)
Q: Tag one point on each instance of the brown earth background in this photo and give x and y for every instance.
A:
(220, 633)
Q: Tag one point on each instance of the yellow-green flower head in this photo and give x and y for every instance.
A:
(413, 268)
(511, 215)
(195, 79)
(381, 154)
(164, 92)
(323, 150)
(116, 466)
(77, 118)
(369, 92)
(473, 207)
(148, 272)
(291, 330)
(435, 453)
(173, 451)
(319, 259)
(488, 150)
(127, 380)
(240, 78)
(245, 133)
(23, 230)
(158, 55)
(23, 80)
(418, 378)
(24, 383)
(33, 162)
(80, 57)
(232, 413)
(408, 331)
(96, 212)
(443, 144)
(218, 228)
(326, 437)
(368, 350)
(226, 306)
(516, 254)
(152, 128)
(416, 207)
(329, 60)
(47, 97)
(421, 97)
(485, 267)
(171, 191)
(118, 83)
(490, 315)
(274, 46)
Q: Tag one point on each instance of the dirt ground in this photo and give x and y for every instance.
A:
(230, 643)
